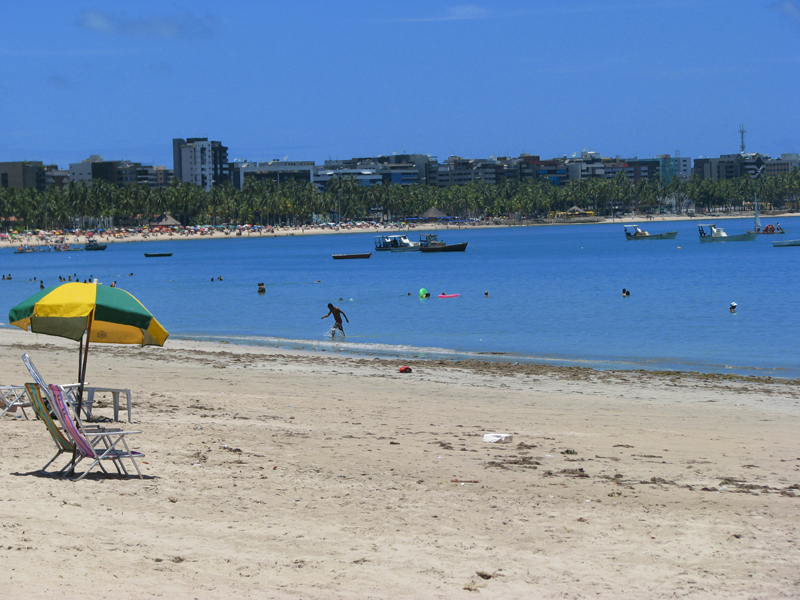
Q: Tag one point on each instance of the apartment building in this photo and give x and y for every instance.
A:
(200, 161)
(22, 174)
(94, 168)
(729, 166)
(785, 164)
(276, 170)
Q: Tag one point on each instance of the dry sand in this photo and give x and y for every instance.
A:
(287, 475)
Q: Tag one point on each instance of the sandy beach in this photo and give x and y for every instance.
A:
(271, 474)
(133, 236)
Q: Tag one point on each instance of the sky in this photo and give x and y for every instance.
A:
(317, 80)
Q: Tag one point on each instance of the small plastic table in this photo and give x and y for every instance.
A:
(115, 392)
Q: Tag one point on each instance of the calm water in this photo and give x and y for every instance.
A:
(554, 295)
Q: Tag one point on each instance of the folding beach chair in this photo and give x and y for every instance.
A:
(104, 442)
(13, 397)
(63, 445)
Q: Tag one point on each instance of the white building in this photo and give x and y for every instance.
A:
(200, 161)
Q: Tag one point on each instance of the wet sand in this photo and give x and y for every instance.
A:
(272, 474)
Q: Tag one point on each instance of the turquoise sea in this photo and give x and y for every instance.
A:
(555, 295)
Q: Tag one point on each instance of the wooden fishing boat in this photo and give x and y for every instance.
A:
(346, 256)
(431, 243)
(93, 245)
(635, 233)
(712, 233)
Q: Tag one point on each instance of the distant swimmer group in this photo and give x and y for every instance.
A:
(625, 293)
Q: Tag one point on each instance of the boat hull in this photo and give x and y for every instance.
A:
(742, 237)
(669, 235)
(405, 249)
(782, 243)
(350, 256)
(157, 254)
(445, 248)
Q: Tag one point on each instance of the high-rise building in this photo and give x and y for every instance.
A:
(199, 161)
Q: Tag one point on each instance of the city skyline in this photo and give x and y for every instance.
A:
(318, 81)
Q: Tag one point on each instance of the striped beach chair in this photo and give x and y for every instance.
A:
(63, 445)
(105, 443)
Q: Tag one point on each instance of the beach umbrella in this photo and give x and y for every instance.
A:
(90, 312)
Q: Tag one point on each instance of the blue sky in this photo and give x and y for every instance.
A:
(314, 80)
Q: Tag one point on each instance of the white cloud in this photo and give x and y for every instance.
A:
(788, 9)
(464, 12)
(183, 25)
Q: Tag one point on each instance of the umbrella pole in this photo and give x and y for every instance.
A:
(82, 371)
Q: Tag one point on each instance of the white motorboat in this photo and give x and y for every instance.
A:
(395, 243)
(712, 233)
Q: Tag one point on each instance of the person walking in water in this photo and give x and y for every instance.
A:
(337, 316)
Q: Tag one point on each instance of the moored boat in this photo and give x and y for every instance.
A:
(346, 256)
(157, 254)
(431, 243)
(712, 233)
(25, 249)
(93, 245)
(395, 243)
(634, 232)
(780, 244)
(768, 229)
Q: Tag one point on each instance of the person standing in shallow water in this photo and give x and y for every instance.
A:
(337, 313)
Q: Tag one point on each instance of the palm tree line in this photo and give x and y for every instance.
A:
(292, 202)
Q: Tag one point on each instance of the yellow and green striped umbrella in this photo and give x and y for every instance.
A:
(110, 315)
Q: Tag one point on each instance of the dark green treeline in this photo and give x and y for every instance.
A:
(292, 202)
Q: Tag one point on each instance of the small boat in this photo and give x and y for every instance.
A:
(636, 233)
(93, 245)
(27, 249)
(343, 256)
(769, 229)
(157, 254)
(448, 295)
(780, 244)
(712, 233)
(432, 243)
(395, 243)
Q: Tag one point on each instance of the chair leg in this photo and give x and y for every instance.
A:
(133, 460)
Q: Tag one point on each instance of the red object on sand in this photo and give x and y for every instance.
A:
(405, 369)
